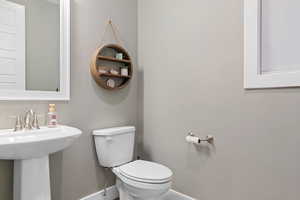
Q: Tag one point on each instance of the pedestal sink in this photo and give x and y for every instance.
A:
(30, 151)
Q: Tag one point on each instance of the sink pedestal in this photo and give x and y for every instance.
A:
(31, 179)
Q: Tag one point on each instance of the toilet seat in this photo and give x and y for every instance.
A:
(146, 172)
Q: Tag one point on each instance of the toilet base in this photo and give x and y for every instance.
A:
(127, 192)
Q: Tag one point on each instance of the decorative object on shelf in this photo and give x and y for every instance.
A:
(114, 72)
(111, 83)
(111, 65)
(119, 56)
(124, 71)
(102, 71)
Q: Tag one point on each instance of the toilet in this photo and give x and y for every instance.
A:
(136, 180)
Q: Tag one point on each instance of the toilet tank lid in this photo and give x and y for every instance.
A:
(114, 131)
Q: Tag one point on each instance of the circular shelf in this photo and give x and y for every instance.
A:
(105, 61)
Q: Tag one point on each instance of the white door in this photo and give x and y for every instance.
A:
(12, 46)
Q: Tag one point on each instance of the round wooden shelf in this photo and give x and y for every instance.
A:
(104, 60)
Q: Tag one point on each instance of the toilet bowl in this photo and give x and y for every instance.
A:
(136, 180)
(142, 180)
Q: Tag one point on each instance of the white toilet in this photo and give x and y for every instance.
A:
(136, 180)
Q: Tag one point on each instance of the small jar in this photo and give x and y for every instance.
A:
(124, 71)
(119, 56)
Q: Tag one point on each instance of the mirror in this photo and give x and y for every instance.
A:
(34, 49)
(279, 37)
(271, 44)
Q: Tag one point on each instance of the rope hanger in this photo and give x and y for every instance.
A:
(114, 31)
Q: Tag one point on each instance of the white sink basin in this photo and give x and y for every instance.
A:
(35, 143)
(30, 151)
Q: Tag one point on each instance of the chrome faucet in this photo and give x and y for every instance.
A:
(29, 122)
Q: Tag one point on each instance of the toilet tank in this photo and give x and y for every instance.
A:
(114, 146)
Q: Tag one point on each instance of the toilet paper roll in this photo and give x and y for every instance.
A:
(192, 139)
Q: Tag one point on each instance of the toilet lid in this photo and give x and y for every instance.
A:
(146, 171)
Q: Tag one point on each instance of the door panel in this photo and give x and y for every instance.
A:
(12, 46)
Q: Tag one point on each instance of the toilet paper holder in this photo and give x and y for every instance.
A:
(191, 138)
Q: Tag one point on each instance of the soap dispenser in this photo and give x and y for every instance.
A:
(52, 116)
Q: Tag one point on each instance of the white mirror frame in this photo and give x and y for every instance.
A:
(252, 54)
(64, 93)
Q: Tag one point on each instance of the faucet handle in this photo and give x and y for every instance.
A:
(19, 123)
(35, 122)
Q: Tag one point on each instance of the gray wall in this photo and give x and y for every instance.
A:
(75, 172)
(191, 55)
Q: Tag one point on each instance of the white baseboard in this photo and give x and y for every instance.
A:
(174, 195)
(112, 193)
